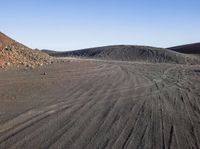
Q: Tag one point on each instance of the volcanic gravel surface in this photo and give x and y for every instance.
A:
(88, 104)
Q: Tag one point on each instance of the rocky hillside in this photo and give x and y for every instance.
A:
(13, 53)
(131, 53)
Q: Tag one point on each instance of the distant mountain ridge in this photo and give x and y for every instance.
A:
(187, 49)
(130, 53)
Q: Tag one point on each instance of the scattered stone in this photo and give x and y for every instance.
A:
(44, 73)
(8, 49)
(33, 67)
(8, 63)
(27, 65)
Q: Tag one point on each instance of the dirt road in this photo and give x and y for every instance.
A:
(88, 105)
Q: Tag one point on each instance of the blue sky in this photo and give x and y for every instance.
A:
(77, 24)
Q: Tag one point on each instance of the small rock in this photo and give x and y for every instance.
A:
(8, 64)
(8, 49)
(28, 65)
(44, 73)
(32, 67)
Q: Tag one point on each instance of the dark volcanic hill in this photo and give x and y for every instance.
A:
(188, 49)
(130, 53)
(14, 53)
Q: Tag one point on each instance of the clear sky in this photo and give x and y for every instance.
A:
(77, 24)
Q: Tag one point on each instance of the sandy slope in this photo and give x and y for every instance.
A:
(92, 105)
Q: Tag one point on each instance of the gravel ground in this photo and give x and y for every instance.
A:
(80, 104)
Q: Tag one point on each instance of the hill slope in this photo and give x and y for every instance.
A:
(14, 53)
(188, 49)
(130, 53)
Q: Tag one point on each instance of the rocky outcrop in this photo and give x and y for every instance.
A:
(13, 53)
